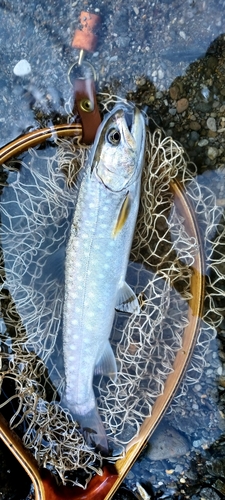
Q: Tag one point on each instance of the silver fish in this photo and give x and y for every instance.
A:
(96, 261)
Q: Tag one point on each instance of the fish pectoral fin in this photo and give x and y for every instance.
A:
(127, 300)
(123, 214)
(107, 363)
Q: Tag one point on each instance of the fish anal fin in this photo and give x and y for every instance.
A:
(107, 363)
(127, 300)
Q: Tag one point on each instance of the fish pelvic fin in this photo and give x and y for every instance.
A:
(127, 300)
(107, 363)
(93, 430)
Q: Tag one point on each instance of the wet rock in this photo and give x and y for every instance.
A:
(211, 133)
(182, 105)
(191, 474)
(212, 153)
(172, 111)
(194, 136)
(217, 468)
(167, 443)
(22, 68)
(204, 107)
(211, 124)
(203, 142)
(197, 443)
(208, 494)
(220, 486)
(212, 62)
(160, 74)
(221, 381)
(124, 493)
(194, 125)
(174, 92)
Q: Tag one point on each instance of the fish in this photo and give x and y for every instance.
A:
(97, 255)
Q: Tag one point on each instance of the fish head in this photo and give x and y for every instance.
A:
(118, 151)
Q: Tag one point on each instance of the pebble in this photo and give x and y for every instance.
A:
(174, 92)
(194, 125)
(220, 486)
(160, 74)
(205, 92)
(198, 387)
(216, 467)
(179, 468)
(136, 10)
(211, 124)
(199, 442)
(204, 107)
(182, 35)
(182, 105)
(208, 494)
(22, 68)
(212, 153)
(130, 475)
(221, 381)
(113, 58)
(167, 443)
(203, 142)
(194, 136)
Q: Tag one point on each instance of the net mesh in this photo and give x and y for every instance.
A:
(37, 204)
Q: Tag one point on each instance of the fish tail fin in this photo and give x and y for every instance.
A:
(93, 430)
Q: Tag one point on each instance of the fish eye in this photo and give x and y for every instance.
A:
(113, 137)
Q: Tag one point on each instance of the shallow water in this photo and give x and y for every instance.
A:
(170, 56)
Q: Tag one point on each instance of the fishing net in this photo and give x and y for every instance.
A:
(38, 197)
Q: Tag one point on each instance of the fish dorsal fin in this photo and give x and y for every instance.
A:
(127, 300)
(123, 214)
(107, 363)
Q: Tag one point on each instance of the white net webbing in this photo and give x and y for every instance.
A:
(36, 209)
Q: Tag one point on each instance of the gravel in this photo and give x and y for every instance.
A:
(170, 56)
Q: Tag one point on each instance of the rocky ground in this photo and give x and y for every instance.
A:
(169, 56)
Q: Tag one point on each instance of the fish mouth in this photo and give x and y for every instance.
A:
(137, 129)
(134, 125)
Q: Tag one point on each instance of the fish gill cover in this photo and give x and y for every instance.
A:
(37, 204)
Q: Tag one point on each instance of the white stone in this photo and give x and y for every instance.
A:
(212, 153)
(160, 74)
(211, 124)
(22, 68)
(182, 35)
(203, 142)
